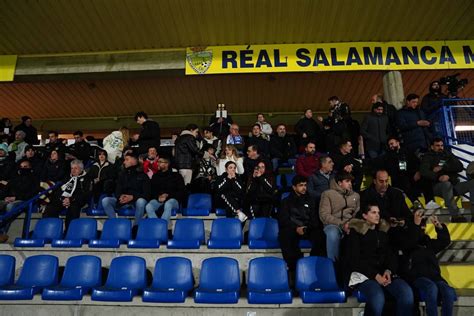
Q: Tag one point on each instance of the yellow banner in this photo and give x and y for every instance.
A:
(330, 57)
(7, 67)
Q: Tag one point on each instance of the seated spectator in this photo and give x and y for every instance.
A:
(345, 161)
(320, 180)
(420, 266)
(80, 149)
(390, 111)
(220, 125)
(72, 195)
(209, 138)
(150, 134)
(7, 166)
(102, 174)
(6, 129)
(115, 143)
(207, 173)
(235, 139)
(230, 190)
(259, 193)
(282, 148)
(265, 127)
(187, 152)
(414, 126)
(54, 143)
(375, 131)
(338, 206)
(230, 154)
(371, 266)
(31, 134)
(150, 162)
(55, 168)
(298, 219)
(167, 190)
(252, 159)
(441, 168)
(18, 146)
(308, 164)
(307, 129)
(36, 162)
(132, 188)
(258, 139)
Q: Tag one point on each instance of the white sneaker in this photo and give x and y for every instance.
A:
(242, 217)
(432, 205)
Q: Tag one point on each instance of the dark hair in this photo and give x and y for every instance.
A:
(343, 142)
(28, 147)
(228, 163)
(323, 158)
(308, 109)
(78, 133)
(101, 151)
(254, 148)
(412, 96)
(141, 114)
(436, 140)
(191, 127)
(377, 105)
(25, 118)
(280, 124)
(208, 129)
(374, 175)
(256, 125)
(298, 179)
(260, 113)
(341, 176)
(131, 154)
(53, 132)
(333, 98)
(367, 207)
(393, 137)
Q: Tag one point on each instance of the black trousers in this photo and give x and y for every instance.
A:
(55, 207)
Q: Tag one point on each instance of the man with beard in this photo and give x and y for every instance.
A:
(345, 161)
(375, 129)
(389, 110)
(308, 163)
(282, 147)
(433, 100)
(307, 129)
(258, 138)
(54, 143)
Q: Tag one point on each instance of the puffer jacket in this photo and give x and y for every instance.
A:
(451, 166)
(337, 205)
(414, 137)
(375, 130)
(186, 150)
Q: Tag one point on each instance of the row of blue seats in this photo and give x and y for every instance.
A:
(173, 281)
(226, 233)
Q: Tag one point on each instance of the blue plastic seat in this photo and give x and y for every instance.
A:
(283, 181)
(37, 273)
(220, 212)
(219, 281)
(96, 210)
(199, 204)
(116, 231)
(305, 243)
(7, 270)
(267, 281)
(80, 231)
(263, 233)
(151, 233)
(284, 195)
(127, 278)
(128, 211)
(172, 281)
(45, 231)
(226, 233)
(81, 274)
(188, 234)
(316, 281)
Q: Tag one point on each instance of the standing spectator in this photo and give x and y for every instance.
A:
(235, 139)
(149, 135)
(298, 219)
(258, 138)
(338, 206)
(230, 190)
(150, 163)
(321, 179)
(345, 161)
(115, 143)
(308, 164)
(7, 166)
(432, 101)
(282, 148)
(80, 149)
(374, 129)
(54, 143)
(31, 134)
(133, 188)
(72, 195)
(18, 146)
(371, 266)
(307, 129)
(102, 175)
(187, 152)
(339, 122)
(230, 154)
(389, 110)
(259, 193)
(36, 162)
(441, 168)
(212, 140)
(413, 125)
(6, 129)
(252, 159)
(219, 124)
(55, 168)
(265, 127)
(167, 190)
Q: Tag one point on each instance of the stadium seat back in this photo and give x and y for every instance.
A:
(7, 270)
(85, 271)
(82, 228)
(153, 228)
(40, 271)
(315, 273)
(117, 228)
(173, 273)
(220, 273)
(48, 229)
(226, 229)
(199, 201)
(127, 272)
(267, 274)
(189, 229)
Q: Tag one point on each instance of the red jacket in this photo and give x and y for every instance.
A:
(307, 165)
(150, 165)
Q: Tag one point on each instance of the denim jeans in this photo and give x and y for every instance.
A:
(154, 205)
(374, 293)
(109, 204)
(430, 290)
(333, 240)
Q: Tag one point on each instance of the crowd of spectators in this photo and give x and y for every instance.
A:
(362, 231)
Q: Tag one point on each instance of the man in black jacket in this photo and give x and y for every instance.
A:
(133, 188)
(80, 149)
(432, 101)
(375, 130)
(187, 152)
(72, 195)
(54, 143)
(298, 219)
(167, 190)
(149, 135)
(258, 138)
(30, 131)
(7, 166)
(307, 129)
(282, 147)
(345, 161)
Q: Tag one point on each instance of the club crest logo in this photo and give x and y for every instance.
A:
(199, 60)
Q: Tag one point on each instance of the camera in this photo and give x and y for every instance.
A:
(454, 84)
